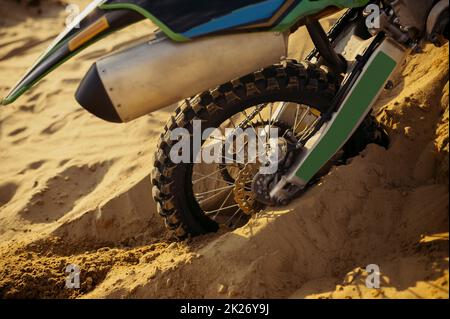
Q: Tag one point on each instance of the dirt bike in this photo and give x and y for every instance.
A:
(226, 61)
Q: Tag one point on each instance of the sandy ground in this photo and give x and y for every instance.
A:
(75, 190)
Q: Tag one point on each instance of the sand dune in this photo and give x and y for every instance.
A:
(75, 189)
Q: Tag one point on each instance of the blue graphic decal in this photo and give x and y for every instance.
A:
(249, 14)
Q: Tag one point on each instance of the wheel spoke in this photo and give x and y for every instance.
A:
(302, 118)
(223, 203)
(219, 209)
(249, 122)
(206, 176)
(217, 138)
(270, 118)
(309, 129)
(215, 190)
(239, 219)
(295, 120)
(232, 123)
(211, 178)
(231, 160)
(201, 200)
(231, 218)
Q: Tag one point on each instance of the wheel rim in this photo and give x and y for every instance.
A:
(214, 185)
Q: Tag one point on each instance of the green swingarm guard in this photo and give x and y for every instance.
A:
(332, 136)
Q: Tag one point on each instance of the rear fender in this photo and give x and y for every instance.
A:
(90, 26)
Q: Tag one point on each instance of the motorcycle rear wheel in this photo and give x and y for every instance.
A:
(301, 83)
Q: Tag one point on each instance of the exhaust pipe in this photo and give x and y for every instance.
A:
(151, 75)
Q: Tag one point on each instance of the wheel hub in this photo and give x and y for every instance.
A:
(252, 183)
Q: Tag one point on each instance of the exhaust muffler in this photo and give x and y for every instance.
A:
(151, 75)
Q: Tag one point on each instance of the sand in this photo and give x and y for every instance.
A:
(76, 190)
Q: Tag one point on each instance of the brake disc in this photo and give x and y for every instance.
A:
(243, 193)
